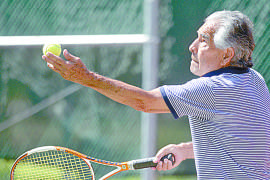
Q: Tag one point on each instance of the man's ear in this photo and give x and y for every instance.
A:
(228, 55)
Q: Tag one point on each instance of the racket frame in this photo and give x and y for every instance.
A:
(120, 166)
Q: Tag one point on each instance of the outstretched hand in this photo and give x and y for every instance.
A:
(72, 69)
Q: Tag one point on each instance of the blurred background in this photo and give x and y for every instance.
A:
(78, 117)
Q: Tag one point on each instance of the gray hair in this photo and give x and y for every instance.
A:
(234, 30)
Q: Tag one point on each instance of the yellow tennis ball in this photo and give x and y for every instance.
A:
(52, 48)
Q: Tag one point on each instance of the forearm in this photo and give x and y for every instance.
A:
(118, 91)
(135, 97)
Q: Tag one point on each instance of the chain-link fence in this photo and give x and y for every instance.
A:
(85, 120)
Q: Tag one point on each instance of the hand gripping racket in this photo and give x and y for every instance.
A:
(54, 162)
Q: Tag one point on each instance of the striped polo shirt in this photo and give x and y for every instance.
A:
(229, 117)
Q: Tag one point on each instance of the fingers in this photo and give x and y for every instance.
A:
(58, 61)
(72, 69)
(52, 67)
(53, 60)
(164, 165)
(161, 154)
(70, 57)
(58, 64)
(172, 158)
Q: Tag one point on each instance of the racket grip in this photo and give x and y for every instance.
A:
(146, 163)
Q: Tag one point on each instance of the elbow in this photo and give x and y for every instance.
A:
(141, 106)
(142, 109)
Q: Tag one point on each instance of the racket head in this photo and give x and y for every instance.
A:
(51, 162)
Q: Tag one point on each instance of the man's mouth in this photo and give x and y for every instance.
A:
(194, 59)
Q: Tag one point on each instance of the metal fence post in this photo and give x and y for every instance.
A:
(150, 81)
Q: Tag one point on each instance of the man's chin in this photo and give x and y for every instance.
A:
(194, 68)
(194, 71)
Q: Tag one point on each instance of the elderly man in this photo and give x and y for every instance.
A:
(228, 105)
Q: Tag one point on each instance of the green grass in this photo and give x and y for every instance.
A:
(37, 171)
(5, 166)
(183, 177)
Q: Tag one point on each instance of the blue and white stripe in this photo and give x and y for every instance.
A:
(229, 115)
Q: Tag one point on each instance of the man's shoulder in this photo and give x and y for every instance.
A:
(198, 84)
(253, 71)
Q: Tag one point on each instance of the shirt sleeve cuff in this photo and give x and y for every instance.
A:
(164, 95)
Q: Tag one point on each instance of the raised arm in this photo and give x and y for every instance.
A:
(73, 69)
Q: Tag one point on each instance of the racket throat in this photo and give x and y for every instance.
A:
(106, 176)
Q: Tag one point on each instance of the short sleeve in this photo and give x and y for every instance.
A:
(195, 98)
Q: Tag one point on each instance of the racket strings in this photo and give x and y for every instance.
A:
(52, 165)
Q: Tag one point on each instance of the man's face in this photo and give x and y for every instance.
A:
(205, 56)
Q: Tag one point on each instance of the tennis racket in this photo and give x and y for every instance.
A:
(54, 162)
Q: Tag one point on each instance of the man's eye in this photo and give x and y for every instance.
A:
(203, 40)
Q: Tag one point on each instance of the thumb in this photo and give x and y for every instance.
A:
(69, 56)
(158, 157)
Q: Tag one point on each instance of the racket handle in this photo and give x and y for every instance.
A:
(146, 163)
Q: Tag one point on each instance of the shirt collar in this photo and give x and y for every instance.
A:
(230, 69)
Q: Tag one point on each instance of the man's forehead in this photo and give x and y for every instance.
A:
(208, 28)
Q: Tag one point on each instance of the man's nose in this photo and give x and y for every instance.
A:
(193, 47)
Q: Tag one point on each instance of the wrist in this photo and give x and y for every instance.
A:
(187, 150)
(91, 79)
